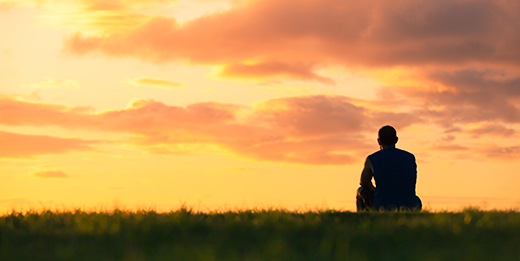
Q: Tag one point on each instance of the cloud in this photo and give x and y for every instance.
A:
(154, 82)
(399, 120)
(26, 146)
(316, 129)
(17, 113)
(460, 59)
(457, 50)
(51, 174)
(51, 83)
(308, 129)
(278, 130)
(494, 130)
(99, 5)
(120, 4)
(508, 152)
(148, 116)
(298, 116)
(94, 17)
(450, 147)
(452, 130)
(338, 150)
(379, 33)
(467, 96)
(273, 69)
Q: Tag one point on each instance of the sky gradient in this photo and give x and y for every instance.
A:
(227, 104)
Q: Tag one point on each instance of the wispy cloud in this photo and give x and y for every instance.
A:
(98, 18)
(493, 130)
(450, 147)
(26, 146)
(15, 112)
(506, 152)
(273, 70)
(155, 82)
(51, 83)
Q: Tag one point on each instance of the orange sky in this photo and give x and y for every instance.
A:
(227, 104)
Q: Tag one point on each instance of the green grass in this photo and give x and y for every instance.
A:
(260, 235)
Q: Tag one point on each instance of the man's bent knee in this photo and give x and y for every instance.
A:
(364, 198)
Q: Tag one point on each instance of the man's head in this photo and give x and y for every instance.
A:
(387, 136)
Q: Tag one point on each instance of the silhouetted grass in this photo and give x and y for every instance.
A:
(260, 235)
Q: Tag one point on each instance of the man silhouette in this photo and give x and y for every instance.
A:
(395, 175)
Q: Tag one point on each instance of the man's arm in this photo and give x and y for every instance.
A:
(366, 175)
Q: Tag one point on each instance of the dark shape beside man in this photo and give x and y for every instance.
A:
(395, 175)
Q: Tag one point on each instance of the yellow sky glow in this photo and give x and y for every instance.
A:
(253, 104)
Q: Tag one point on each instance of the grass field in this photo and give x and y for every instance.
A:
(260, 235)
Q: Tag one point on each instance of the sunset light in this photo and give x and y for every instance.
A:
(232, 104)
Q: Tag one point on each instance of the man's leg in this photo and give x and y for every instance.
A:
(364, 199)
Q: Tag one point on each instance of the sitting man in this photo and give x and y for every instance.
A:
(395, 175)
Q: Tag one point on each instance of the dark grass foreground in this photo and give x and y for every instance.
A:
(260, 235)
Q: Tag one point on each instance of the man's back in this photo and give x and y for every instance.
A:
(395, 175)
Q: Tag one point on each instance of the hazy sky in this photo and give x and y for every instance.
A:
(227, 104)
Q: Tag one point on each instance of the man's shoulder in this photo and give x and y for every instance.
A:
(392, 151)
(405, 152)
